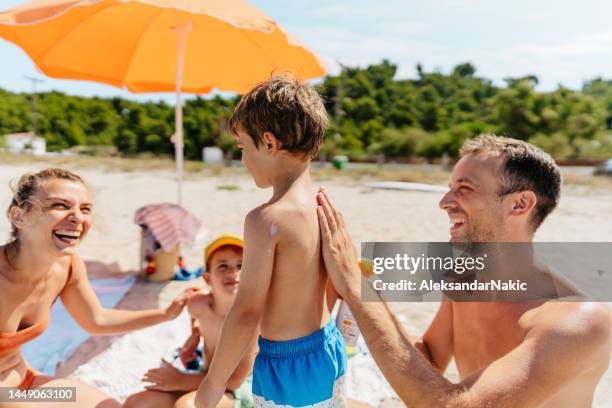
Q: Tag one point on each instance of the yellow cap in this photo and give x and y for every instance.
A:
(221, 241)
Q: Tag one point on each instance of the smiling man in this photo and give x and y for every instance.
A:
(500, 191)
(521, 354)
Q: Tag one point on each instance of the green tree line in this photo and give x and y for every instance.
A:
(372, 114)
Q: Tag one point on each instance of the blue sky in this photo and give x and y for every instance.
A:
(559, 41)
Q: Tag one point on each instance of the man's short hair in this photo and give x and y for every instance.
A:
(525, 167)
(291, 110)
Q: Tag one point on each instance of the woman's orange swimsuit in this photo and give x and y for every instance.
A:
(12, 341)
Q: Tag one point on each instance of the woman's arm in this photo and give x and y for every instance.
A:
(83, 305)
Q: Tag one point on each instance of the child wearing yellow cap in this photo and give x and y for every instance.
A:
(172, 387)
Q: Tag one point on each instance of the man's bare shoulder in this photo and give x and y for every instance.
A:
(573, 327)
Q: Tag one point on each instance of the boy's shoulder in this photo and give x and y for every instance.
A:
(274, 215)
(199, 303)
(276, 222)
(262, 222)
(265, 215)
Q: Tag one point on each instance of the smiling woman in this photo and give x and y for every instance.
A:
(50, 214)
(45, 198)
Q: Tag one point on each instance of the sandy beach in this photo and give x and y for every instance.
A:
(116, 364)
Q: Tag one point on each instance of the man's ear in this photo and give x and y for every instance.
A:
(523, 202)
(206, 276)
(270, 143)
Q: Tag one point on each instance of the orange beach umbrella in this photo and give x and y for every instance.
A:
(157, 46)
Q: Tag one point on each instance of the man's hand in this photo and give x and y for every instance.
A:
(338, 251)
(188, 351)
(165, 378)
(208, 395)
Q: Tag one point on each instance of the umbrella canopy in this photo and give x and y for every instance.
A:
(157, 46)
(230, 45)
(171, 224)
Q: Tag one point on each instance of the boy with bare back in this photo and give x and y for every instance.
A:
(279, 126)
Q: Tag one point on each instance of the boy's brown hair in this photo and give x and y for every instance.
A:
(291, 110)
(525, 167)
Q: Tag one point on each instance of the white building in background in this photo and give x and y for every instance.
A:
(212, 155)
(26, 142)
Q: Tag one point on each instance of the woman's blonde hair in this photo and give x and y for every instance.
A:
(28, 185)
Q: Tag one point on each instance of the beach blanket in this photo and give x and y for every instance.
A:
(118, 370)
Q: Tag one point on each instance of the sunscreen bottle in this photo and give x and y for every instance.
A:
(345, 321)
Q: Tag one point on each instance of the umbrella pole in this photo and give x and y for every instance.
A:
(182, 31)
